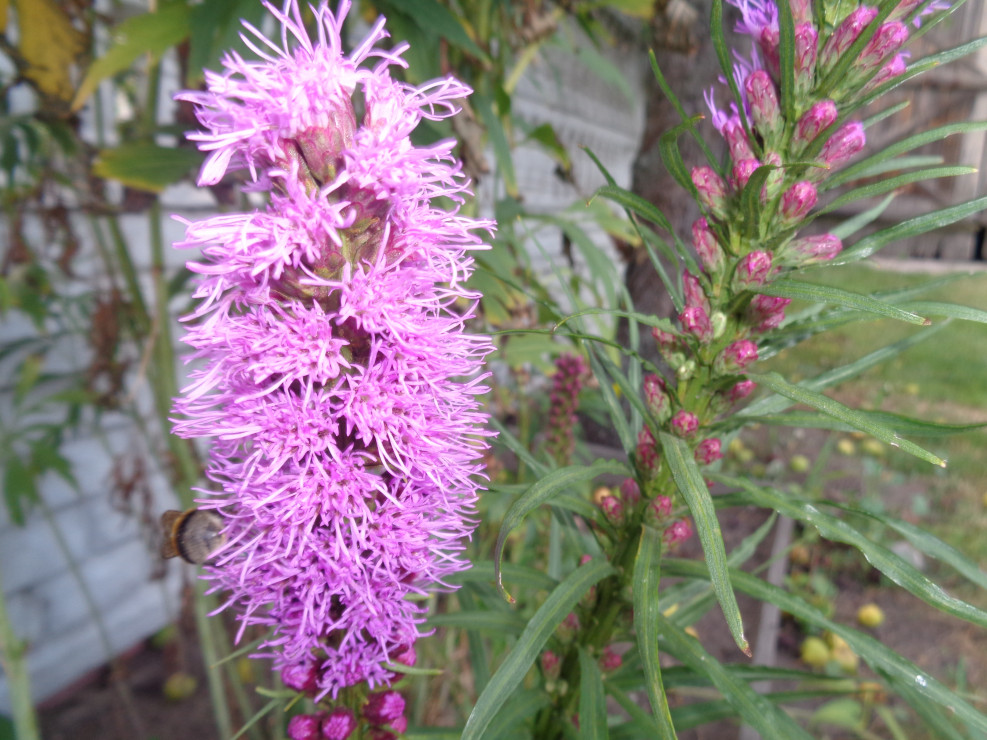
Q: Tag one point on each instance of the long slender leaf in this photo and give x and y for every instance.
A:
(690, 483)
(647, 566)
(592, 705)
(835, 529)
(770, 721)
(900, 424)
(507, 623)
(886, 185)
(548, 617)
(788, 288)
(544, 491)
(842, 413)
(924, 542)
(636, 204)
(601, 371)
(918, 225)
(878, 656)
(900, 147)
(951, 310)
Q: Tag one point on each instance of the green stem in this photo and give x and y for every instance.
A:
(217, 692)
(12, 652)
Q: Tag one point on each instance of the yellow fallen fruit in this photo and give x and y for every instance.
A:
(815, 652)
(870, 615)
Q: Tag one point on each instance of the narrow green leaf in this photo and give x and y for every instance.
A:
(690, 483)
(482, 571)
(933, 715)
(924, 542)
(901, 424)
(837, 410)
(149, 33)
(592, 705)
(146, 166)
(677, 105)
(646, 611)
(552, 485)
(786, 59)
(671, 156)
(484, 106)
(433, 17)
(769, 720)
(835, 529)
(776, 403)
(614, 407)
(518, 708)
(636, 204)
(750, 199)
(919, 225)
(506, 623)
(857, 169)
(512, 443)
(803, 291)
(531, 642)
(950, 310)
(886, 185)
(852, 225)
(878, 656)
(642, 723)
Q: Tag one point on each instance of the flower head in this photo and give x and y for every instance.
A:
(330, 347)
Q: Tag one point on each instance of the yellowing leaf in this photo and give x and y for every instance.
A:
(50, 45)
(4, 9)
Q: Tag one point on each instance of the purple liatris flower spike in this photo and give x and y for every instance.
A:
(882, 46)
(305, 727)
(563, 403)
(333, 372)
(752, 270)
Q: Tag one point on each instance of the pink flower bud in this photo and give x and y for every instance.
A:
(685, 423)
(405, 655)
(656, 398)
(801, 11)
(400, 724)
(695, 321)
(894, 68)
(610, 659)
(585, 558)
(712, 190)
(383, 707)
(300, 677)
(613, 509)
(797, 201)
(679, 531)
(662, 507)
(767, 42)
(708, 451)
(647, 451)
(666, 341)
(736, 137)
(339, 725)
(709, 251)
(550, 664)
(806, 45)
(736, 356)
(813, 122)
(630, 491)
(695, 295)
(305, 727)
(571, 622)
(844, 36)
(753, 270)
(889, 38)
(819, 248)
(767, 312)
(741, 390)
(742, 172)
(843, 145)
(763, 99)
